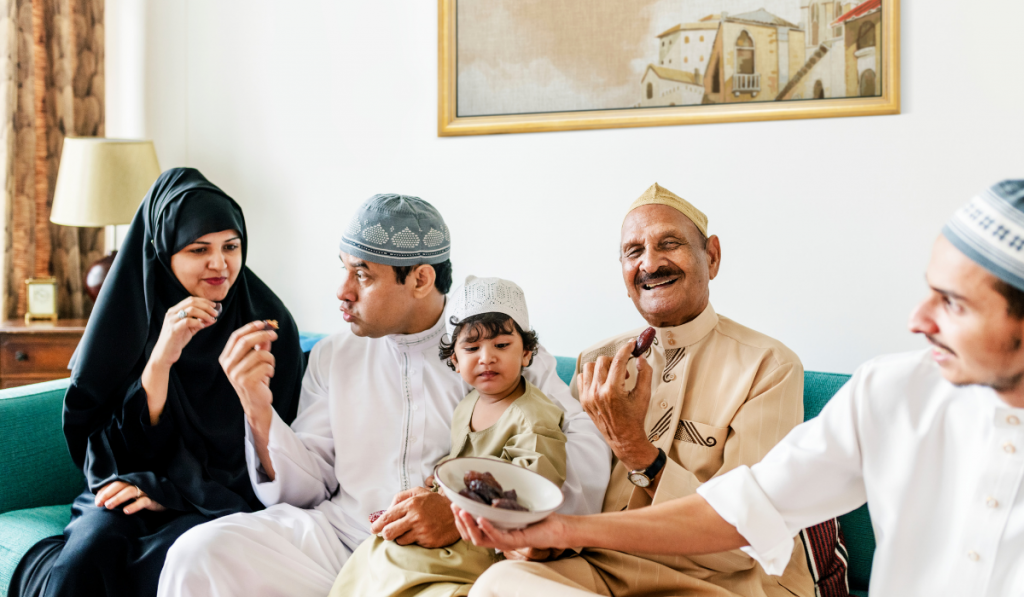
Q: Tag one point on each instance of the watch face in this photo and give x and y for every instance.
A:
(639, 479)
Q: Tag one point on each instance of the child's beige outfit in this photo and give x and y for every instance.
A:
(528, 434)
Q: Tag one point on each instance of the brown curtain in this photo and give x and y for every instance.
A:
(52, 87)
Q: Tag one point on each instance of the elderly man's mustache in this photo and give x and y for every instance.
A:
(662, 272)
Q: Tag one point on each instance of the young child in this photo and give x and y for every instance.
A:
(504, 417)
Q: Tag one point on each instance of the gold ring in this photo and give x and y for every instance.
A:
(138, 492)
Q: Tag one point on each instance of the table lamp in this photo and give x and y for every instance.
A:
(101, 182)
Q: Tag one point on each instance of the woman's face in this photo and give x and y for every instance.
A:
(209, 266)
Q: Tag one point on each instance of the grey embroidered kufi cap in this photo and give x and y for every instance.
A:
(397, 230)
(990, 230)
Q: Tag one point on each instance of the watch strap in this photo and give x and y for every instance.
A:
(659, 463)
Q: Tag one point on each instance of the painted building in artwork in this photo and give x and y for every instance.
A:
(754, 57)
(677, 77)
(687, 47)
(862, 27)
(825, 75)
(663, 86)
(837, 55)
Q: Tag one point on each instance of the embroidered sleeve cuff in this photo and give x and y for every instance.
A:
(268, 492)
(738, 499)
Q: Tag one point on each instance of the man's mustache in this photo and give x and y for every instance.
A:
(664, 271)
(937, 343)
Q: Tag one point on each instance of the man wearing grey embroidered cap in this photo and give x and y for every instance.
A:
(374, 417)
(919, 436)
(490, 343)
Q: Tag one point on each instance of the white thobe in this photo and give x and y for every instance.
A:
(374, 418)
(940, 467)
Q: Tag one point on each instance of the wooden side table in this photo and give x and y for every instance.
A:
(37, 351)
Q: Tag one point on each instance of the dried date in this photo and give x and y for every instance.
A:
(485, 477)
(485, 489)
(507, 504)
(644, 341)
(489, 493)
(472, 495)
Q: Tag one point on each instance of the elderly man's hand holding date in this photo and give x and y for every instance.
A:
(620, 414)
(249, 365)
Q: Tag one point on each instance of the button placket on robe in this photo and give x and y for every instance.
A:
(417, 427)
(675, 400)
(1006, 503)
(672, 399)
(656, 361)
(411, 449)
(662, 433)
(657, 411)
(671, 393)
(1003, 471)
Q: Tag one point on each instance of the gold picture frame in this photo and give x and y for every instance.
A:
(744, 109)
(41, 299)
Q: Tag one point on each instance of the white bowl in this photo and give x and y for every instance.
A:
(541, 496)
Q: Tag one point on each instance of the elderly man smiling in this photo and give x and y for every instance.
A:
(710, 396)
(923, 436)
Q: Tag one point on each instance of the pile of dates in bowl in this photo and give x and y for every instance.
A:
(484, 488)
(507, 495)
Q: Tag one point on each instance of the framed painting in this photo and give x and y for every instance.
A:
(516, 66)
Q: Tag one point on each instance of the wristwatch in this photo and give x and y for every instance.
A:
(643, 477)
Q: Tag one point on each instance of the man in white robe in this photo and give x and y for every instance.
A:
(932, 440)
(374, 417)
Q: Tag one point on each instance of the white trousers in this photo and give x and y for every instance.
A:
(280, 551)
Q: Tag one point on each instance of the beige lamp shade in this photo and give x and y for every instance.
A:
(101, 181)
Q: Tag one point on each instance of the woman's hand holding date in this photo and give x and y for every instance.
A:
(178, 331)
(181, 323)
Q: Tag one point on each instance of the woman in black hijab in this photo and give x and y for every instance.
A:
(150, 416)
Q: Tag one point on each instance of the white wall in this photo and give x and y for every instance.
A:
(302, 110)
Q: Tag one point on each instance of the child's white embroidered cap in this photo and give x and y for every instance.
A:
(487, 295)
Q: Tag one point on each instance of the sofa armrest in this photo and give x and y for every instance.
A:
(35, 467)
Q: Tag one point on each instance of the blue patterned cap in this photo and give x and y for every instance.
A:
(397, 230)
(990, 230)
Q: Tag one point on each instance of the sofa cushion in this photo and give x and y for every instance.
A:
(819, 389)
(856, 526)
(22, 529)
(565, 367)
(307, 340)
(34, 462)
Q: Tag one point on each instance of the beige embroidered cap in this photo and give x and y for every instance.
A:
(659, 195)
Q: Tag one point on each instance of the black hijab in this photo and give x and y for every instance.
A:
(194, 458)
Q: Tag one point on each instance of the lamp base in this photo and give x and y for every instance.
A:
(96, 274)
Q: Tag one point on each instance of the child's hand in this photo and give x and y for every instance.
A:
(429, 483)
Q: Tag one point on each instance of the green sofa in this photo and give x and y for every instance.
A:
(38, 480)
